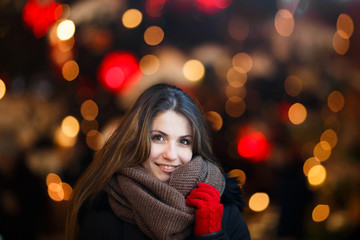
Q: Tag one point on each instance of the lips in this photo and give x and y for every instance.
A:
(166, 168)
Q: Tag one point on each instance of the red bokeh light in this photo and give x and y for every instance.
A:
(212, 6)
(40, 15)
(119, 71)
(154, 8)
(254, 146)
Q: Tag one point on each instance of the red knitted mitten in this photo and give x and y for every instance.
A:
(209, 210)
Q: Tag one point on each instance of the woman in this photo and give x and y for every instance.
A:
(156, 178)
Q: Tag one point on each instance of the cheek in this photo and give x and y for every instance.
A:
(185, 155)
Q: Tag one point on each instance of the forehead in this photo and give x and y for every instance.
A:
(171, 122)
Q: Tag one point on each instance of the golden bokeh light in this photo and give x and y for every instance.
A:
(322, 151)
(297, 113)
(2, 89)
(95, 140)
(68, 191)
(345, 26)
(232, 91)
(193, 70)
(214, 119)
(293, 85)
(239, 174)
(259, 201)
(61, 139)
(65, 30)
(86, 126)
(132, 18)
(235, 78)
(284, 22)
(336, 101)
(340, 45)
(320, 213)
(317, 175)
(66, 45)
(149, 64)
(329, 136)
(309, 163)
(89, 110)
(153, 35)
(70, 70)
(56, 192)
(52, 178)
(235, 106)
(242, 62)
(238, 28)
(70, 126)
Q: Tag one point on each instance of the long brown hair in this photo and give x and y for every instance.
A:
(129, 145)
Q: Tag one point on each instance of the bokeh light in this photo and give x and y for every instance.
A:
(242, 62)
(322, 151)
(154, 8)
(233, 91)
(193, 70)
(86, 126)
(95, 140)
(341, 45)
(329, 136)
(345, 26)
(89, 110)
(65, 29)
(259, 201)
(309, 163)
(153, 35)
(70, 70)
(235, 106)
(336, 101)
(214, 120)
(63, 140)
(297, 113)
(239, 174)
(235, 78)
(119, 71)
(149, 64)
(254, 146)
(58, 190)
(284, 22)
(317, 175)
(2, 89)
(70, 126)
(132, 18)
(238, 28)
(320, 213)
(293, 85)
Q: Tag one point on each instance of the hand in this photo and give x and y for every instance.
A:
(209, 210)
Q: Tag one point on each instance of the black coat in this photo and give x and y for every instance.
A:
(98, 221)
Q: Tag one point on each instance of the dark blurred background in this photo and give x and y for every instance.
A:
(278, 81)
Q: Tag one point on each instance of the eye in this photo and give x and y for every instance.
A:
(185, 141)
(157, 138)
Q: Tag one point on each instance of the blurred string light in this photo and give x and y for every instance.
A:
(284, 22)
(132, 18)
(322, 151)
(293, 85)
(330, 136)
(259, 201)
(336, 101)
(215, 120)
(119, 71)
(212, 6)
(238, 28)
(70, 126)
(297, 113)
(235, 78)
(242, 62)
(153, 35)
(2, 88)
(317, 175)
(70, 70)
(309, 163)
(154, 8)
(41, 15)
(95, 140)
(193, 70)
(65, 29)
(235, 91)
(235, 106)
(149, 64)
(345, 29)
(58, 190)
(89, 110)
(86, 126)
(320, 213)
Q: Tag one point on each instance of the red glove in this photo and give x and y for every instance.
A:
(209, 210)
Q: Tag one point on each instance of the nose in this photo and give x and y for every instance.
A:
(170, 152)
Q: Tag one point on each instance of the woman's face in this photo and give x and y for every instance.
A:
(171, 144)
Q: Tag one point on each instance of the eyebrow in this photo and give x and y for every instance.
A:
(165, 134)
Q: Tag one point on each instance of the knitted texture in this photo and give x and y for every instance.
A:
(156, 207)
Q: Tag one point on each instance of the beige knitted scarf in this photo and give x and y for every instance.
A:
(156, 207)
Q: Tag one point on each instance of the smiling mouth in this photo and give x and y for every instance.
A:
(167, 168)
